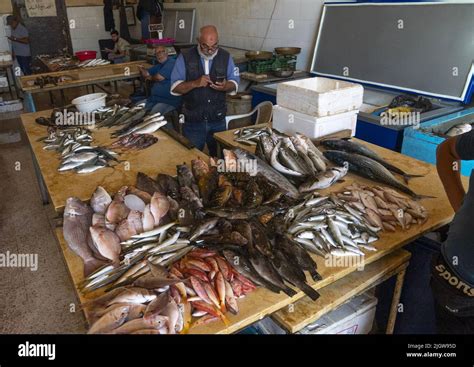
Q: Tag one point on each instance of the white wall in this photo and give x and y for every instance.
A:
(89, 27)
(262, 24)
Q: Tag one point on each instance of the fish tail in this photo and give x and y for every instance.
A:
(310, 292)
(407, 177)
(315, 275)
(289, 292)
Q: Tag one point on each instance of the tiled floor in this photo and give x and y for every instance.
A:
(32, 301)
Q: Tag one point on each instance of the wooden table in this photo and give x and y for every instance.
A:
(8, 67)
(80, 77)
(387, 261)
(263, 302)
(307, 311)
(160, 157)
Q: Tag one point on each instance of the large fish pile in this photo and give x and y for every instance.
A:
(129, 120)
(295, 157)
(198, 289)
(366, 163)
(73, 144)
(299, 160)
(132, 214)
(347, 222)
(92, 62)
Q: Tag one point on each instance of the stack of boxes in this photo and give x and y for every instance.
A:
(317, 106)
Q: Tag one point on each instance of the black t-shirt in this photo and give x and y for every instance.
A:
(458, 250)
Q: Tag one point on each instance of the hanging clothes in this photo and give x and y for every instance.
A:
(109, 15)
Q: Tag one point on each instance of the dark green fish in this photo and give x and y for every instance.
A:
(356, 148)
(368, 168)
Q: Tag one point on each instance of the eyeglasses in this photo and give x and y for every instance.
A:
(209, 48)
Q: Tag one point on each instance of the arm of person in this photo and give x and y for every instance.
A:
(231, 84)
(448, 156)
(152, 73)
(179, 85)
(24, 40)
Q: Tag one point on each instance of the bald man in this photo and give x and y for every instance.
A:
(160, 99)
(203, 75)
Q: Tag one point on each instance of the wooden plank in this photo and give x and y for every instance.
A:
(306, 311)
(161, 157)
(86, 76)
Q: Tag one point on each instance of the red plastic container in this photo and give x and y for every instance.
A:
(86, 55)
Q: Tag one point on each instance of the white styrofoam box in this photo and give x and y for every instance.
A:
(10, 106)
(3, 82)
(291, 122)
(353, 317)
(320, 96)
(5, 56)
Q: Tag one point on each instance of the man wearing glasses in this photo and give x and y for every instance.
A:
(203, 75)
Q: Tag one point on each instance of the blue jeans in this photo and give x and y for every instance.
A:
(25, 64)
(145, 22)
(201, 133)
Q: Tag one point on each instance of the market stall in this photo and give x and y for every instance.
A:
(61, 80)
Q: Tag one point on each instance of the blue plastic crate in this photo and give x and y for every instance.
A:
(421, 143)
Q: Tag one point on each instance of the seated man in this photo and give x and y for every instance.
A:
(121, 50)
(160, 99)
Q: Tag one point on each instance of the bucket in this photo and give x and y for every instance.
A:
(238, 105)
(86, 55)
(89, 102)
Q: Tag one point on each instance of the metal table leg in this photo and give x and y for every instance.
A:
(14, 81)
(30, 103)
(39, 177)
(9, 82)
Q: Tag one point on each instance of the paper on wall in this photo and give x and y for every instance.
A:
(41, 8)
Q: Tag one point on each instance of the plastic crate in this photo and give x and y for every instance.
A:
(290, 122)
(320, 97)
(422, 143)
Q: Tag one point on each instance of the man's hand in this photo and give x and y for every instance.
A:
(220, 86)
(107, 49)
(203, 81)
(11, 38)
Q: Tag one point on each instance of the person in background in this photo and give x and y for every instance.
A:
(20, 44)
(160, 99)
(145, 9)
(452, 280)
(121, 50)
(203, 75)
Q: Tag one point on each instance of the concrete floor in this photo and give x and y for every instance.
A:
(42, 301)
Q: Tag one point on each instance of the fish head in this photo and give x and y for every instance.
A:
(75, 207)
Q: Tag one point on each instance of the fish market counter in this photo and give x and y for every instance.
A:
(340, 284)
(60, 80)
(160, 157)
